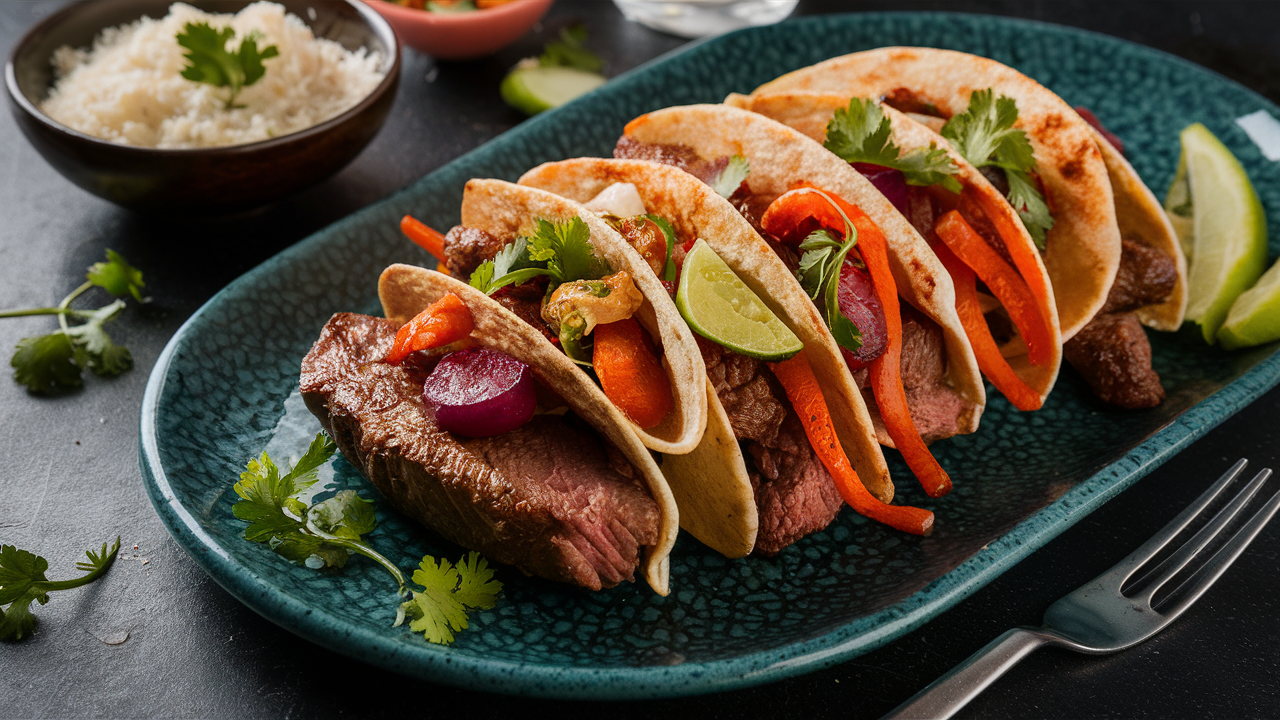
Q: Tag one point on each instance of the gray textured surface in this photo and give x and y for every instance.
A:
(194, 651)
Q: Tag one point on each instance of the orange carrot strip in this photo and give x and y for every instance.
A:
(445, 321)
(1004, 282)
(802, 389)
(630, 372)
(424, 236)
(1023, 255)
(990, 361)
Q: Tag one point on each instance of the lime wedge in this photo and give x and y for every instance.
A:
(532, 89)
(720, 307)
(1227, 233)
(1255, 317)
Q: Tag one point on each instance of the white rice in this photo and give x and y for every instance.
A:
(129, 89)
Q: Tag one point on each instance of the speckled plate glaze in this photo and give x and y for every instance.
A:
(222, 390)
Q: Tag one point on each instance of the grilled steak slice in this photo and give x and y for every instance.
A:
(465, 248)
(794, 493)
(552, 498)
(1146, 276)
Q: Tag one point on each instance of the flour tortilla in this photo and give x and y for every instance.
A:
(710, 484)
(405, 290)
(810, 112)
(506, 210)
(782, 158)
(1083, 248)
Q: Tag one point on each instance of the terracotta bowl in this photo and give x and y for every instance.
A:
(203, 181)
(462, 36)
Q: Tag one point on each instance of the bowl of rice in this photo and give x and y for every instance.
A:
(128, 101)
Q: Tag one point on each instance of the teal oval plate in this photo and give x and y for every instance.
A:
(225, 389)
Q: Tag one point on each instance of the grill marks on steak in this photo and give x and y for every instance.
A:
(552, 498)
(794, 493)
(1112, 352)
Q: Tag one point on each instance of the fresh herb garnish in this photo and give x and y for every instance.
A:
(560, 250)
(730, 178)
(325, 534)
(440, 607)
(22, 582)
(51, 363)
(211, 63)
(819, 275)
(985, 136)
(860, 134)
(669, 272)
(571, 51)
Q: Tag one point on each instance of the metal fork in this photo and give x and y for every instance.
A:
(1114, 611)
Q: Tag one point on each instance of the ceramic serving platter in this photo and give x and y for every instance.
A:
(226, 388)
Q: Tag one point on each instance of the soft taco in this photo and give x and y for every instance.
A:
(760, 479)
(854, 255)
(570, 276)
(1111, 256)
(1012, 322)
(524, 459)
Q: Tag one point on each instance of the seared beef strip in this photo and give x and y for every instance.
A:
(935, 406)
(552, 498)
(465, 248)
(795, 494)
(1112, 352)
(908, 101)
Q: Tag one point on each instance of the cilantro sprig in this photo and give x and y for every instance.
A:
(23, 581)
(985, 136)
(730, 178)
(571, 51)
(211, 63)
(819, 275)
(861, 134)
(48, 364)
(559, 250)
(324, 535)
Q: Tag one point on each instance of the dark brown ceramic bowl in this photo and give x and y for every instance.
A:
(203, 181)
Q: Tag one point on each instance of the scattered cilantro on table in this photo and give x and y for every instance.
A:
(325, 534)
(52, 363)
(571, 51)
(22, 581)
(985, 136)
(860, 134)
(211, 63)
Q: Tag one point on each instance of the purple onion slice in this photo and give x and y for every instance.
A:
(891, 183)
(479, 392)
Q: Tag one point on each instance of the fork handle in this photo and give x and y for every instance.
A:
(946, 695)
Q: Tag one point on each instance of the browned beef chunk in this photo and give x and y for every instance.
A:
(935, 406)
(1114, 356)
(465, 248)
(681, 156)
(525, 300)
(1146, 277)
(997, 177)
(908, 101)
(551, 498)
(795, 494)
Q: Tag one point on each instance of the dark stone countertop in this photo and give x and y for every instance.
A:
(69, 475)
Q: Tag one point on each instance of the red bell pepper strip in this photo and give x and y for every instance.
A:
(802, 389)
(1023, 255)
(444, 322)
(990, 361)
(1002, 280)
(630, 372)
(425, 237)
(787, 214)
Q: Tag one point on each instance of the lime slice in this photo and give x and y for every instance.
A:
(532, 89)
(1228, 233)
(1255, 317)
(721, 308)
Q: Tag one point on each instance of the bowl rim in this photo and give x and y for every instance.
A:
(426, 17)
(377, 23)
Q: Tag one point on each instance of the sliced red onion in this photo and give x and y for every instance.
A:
(479, 392)
(858, 301)
(891, 183)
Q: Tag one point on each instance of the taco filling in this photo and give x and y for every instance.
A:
(826, 242)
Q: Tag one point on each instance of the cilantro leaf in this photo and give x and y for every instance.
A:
(819, 275)
(46, 364)
(346, 514)
(94, 348)
(23, 581)
(482, 277)
(274, 514)
(566, 249)
(117, 276)
(440, 608)
(211, 63)
(570, 51)
(985, 136)
(861, 134)
(818, 247)
(731, 177)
